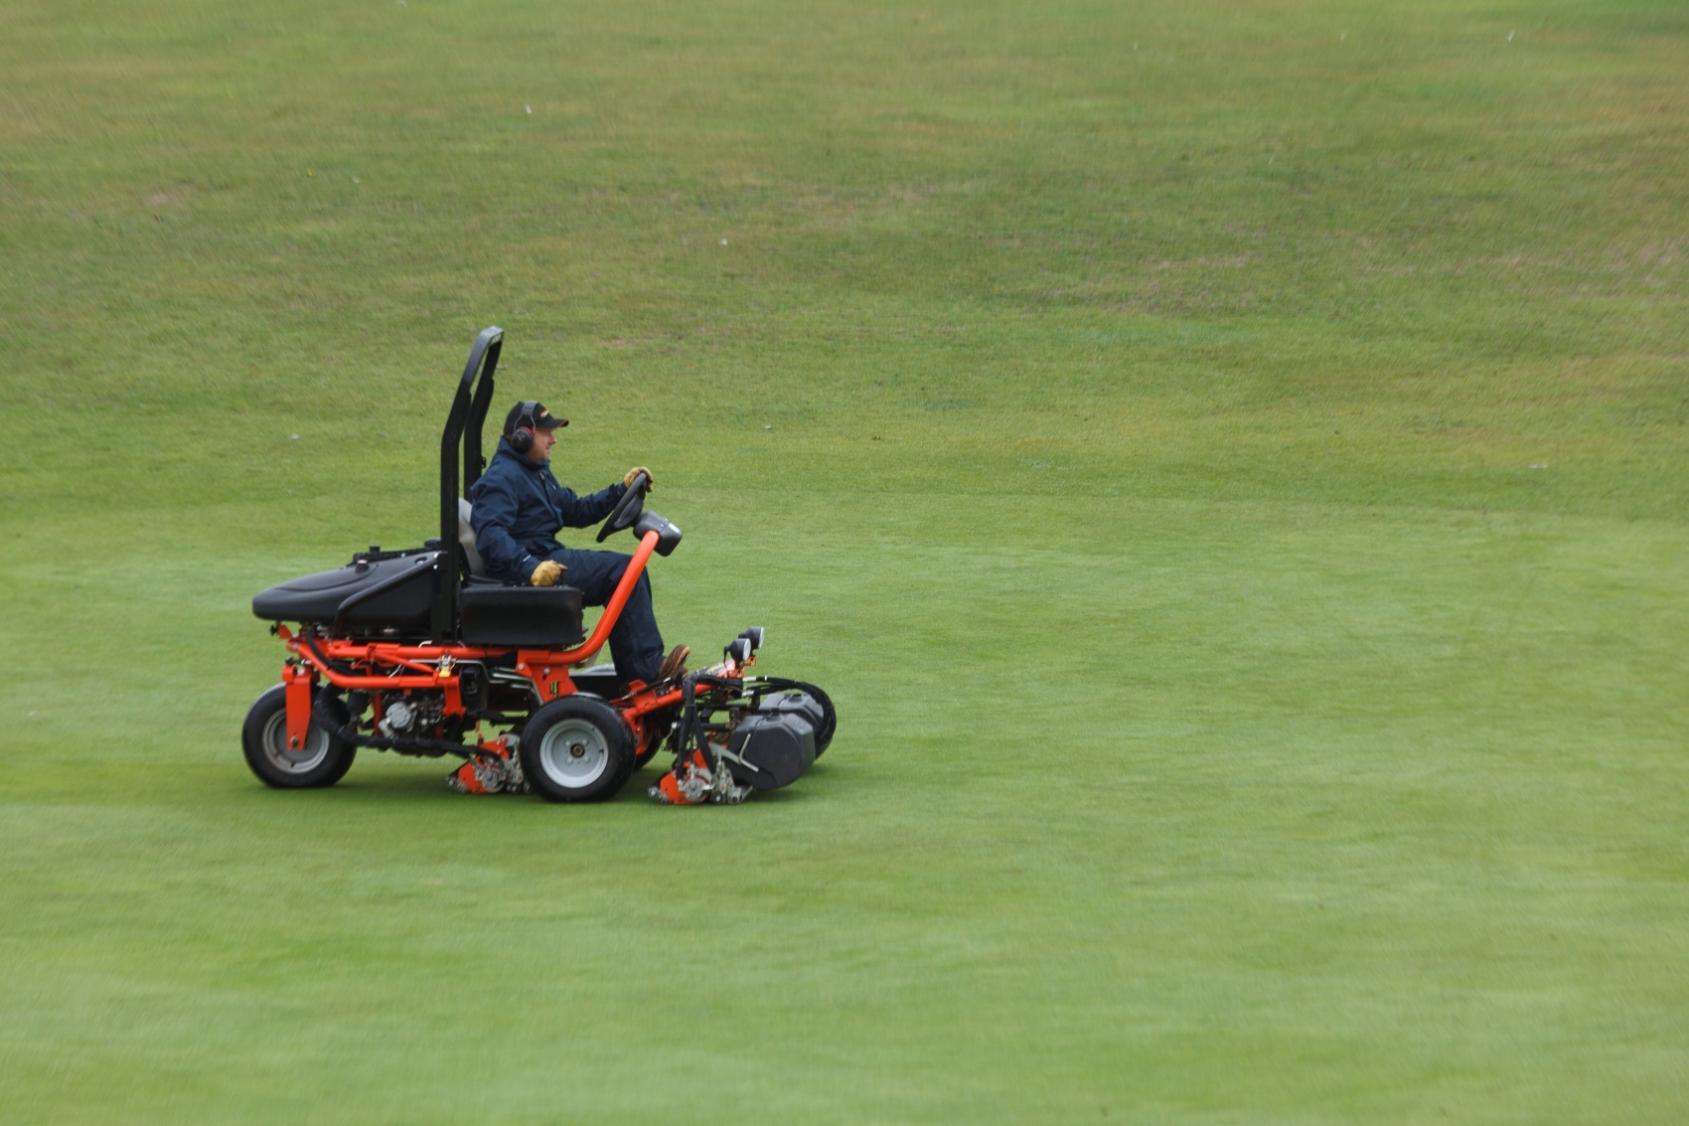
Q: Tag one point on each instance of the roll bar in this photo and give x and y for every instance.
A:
(463, 430)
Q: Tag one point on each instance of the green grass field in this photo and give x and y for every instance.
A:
(1228, 462)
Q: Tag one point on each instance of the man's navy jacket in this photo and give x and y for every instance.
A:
(518, 509)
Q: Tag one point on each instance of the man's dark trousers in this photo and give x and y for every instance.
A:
(635, 644)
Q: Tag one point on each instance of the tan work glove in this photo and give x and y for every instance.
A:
(650, 484)
(548, 573)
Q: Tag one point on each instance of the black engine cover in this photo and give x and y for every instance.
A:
(317, 599)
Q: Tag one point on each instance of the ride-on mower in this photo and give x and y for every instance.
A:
(416, 652)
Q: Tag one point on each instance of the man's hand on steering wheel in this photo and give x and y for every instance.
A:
(636, 471)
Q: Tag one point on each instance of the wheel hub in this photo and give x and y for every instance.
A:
(574, 754)
(293, 760)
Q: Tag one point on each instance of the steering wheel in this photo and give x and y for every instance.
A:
(627, 509)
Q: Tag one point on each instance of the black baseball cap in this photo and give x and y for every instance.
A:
(533, 415)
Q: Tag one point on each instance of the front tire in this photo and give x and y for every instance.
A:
(576, 749)
(322, 761)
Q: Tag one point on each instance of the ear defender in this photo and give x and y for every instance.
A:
(521, 438)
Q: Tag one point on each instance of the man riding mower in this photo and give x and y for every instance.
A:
(431, 651)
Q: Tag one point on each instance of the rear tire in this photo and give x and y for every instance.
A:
(323, 761)
(576, 749)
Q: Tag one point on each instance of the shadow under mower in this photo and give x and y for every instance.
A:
(415, 652)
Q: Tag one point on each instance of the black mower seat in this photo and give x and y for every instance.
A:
(495, 614)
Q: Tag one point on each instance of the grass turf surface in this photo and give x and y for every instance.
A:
(1227, 465)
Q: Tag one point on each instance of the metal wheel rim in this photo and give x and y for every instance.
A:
(574, 753)
(306, 759)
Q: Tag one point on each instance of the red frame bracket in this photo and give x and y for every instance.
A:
(299, 684)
